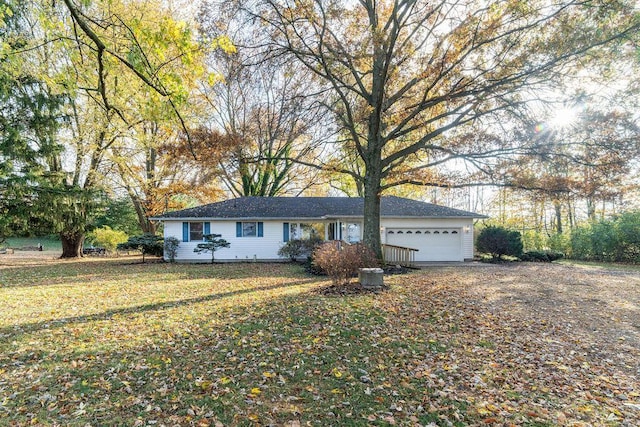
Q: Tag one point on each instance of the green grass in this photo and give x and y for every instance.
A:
(48, 243)
(107, 344)
(110, 343)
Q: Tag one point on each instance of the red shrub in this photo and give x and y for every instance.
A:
(341, 261)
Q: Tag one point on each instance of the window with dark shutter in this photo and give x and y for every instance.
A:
(196, 231)
(249, 229)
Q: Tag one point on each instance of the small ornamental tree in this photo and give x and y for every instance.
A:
(499, 241)
(212, 244)
(146, 244)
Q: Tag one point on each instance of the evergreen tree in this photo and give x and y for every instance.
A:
(29, 121)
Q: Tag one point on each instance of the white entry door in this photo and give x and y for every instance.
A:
(433, 244)
(353, 232)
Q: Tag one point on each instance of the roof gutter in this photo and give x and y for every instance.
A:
(322, 218)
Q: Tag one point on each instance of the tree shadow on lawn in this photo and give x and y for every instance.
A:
(15, 331)
(87, 271)
(318, 346)
(180, 377)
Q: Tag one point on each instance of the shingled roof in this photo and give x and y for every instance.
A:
(314, 208)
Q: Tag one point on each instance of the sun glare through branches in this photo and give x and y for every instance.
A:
(564, 117)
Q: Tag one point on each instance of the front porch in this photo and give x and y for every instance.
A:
(348, 232)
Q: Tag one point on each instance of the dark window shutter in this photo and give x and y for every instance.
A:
(285, 231)
(260, 229)
(207, 228)
(185, 231)
(238, 229)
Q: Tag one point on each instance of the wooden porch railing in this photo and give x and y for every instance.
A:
(391, 254)
(399, 255)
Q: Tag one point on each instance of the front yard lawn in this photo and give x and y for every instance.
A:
(100, 343)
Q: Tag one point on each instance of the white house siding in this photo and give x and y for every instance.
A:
(241, 249)
(266, 247)
(459, 224)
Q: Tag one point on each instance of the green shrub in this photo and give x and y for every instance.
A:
(581, 243)
(533, 240)
(171, 245)
(603, 241)
(299, 248)
(107, 238)
(341, 262)
(610, 240)
(534, 256)
(559, 242)
(628, 237)
(541, 256)
(499, 241)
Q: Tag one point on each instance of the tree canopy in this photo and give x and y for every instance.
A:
(409, 78)
(105, 99)
(108, 73)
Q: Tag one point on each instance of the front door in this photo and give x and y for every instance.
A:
(353, 232)
(332, 229)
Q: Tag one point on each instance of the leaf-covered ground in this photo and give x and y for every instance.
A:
(103, 342)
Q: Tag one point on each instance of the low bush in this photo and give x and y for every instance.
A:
(171, 245)
(341, 261)
(555, 255)
(299, 248)
(108, 238)
(534, 256)
(541, 256)
(311, 267)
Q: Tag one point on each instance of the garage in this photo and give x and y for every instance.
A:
(433, 244)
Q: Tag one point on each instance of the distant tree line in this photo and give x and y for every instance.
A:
(609, 240)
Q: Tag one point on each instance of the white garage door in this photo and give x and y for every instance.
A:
(433, 244)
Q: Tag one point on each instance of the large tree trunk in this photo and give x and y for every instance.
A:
(151, 227)
(147, 227)
(373, 150)
(71, 244)
(372, 190)
(372, 218)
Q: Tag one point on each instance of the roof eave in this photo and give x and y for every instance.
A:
(435, 216)
(209, 218)
(322, 218)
